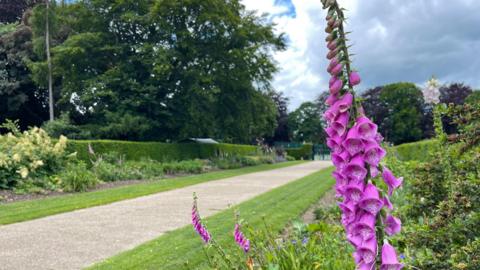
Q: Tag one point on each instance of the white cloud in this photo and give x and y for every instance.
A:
(394, 40)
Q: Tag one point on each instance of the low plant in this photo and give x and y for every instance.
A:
(306, 247)
(28, 155)
(76, 178)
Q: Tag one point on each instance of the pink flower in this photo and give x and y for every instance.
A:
(366, 128)
(387, 203)
(336, 86)
(333, 62)
(373, 154)
(331, 100)
(370, 200)
(393, 225)
(389, 258)
(197, 222)
(368, 250)
(331, 54)
(355, 170)
(365, 226)
(344, 103)
(353, 143)
(340, 160)
(354, 78)
(354, 191)
(335, 144)
(340, 123)
(332, 45)
(373, 171)
(391, 181)
(337, 69)
(241, 240)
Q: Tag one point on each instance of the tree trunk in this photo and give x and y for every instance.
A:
(49, 61)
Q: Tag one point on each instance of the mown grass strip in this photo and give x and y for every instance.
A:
(174, 249)
(28, 210)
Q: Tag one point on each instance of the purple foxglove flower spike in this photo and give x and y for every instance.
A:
(389, 258)
(366, 266)
(332, 54)
(333, 62)
(391, 181)
(370, 200)
(354, 78)
(335, 143)
(197, 222)
(393, 225)
(241, 240)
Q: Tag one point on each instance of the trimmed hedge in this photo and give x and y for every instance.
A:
(157, 150)
(303, 153)
(419, 151)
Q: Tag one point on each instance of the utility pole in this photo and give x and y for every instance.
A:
(49, 61)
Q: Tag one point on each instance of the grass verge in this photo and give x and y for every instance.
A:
(174, 249)
(28, 210)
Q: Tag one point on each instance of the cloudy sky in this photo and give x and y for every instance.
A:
(393, 40)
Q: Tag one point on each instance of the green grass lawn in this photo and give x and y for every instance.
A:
(173, 249)
(27, 210)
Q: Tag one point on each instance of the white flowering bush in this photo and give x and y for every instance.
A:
(30, 154)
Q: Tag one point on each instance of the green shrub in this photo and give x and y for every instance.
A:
(303, 153)
(186, 166)
(158, 151)
(420, 151)
(77, 177)
(29, 154)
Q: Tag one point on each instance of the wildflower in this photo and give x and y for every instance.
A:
(354, 78)
(389, 258)
(23, 171)
(393, 225)
(391, 181)
(197, 222)
(241, 240)
(336, 86)
(370, 201)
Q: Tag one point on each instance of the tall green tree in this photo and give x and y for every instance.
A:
(19, 96)
(404, 103)
(306, 124)
(144, 69)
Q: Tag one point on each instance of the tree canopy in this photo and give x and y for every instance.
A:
(162, 70)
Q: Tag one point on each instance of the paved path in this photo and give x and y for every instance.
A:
(80, 238)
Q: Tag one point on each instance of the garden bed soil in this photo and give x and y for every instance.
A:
(326, 201)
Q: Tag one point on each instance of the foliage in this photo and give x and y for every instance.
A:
(76, 177)
(306, 124)
(19, 97)
(473, 98)
(63, 126)
(420, 151)
(399, 110)
(456, 94)
(441, 200)
(157, 70)
(29, 154)
(282, 132)
(303, 153)
(12, 10)
(157, 151)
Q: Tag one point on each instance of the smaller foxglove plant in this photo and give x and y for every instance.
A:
(197, 222)
(357, 154)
